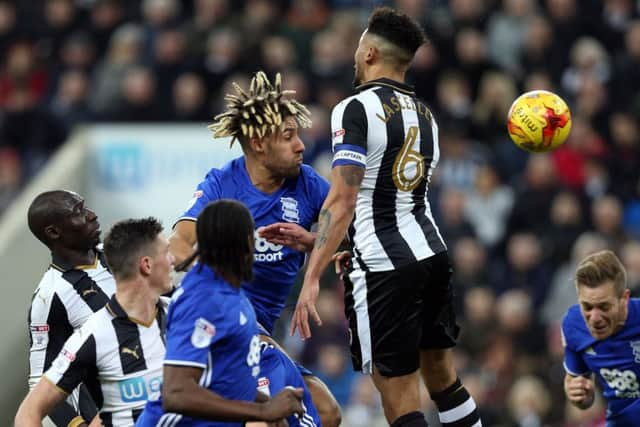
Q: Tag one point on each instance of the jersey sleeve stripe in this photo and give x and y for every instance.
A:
(184, 218)
(350, 148)
(345, 158)
(185, 363)
(77, 421)
(49, 380)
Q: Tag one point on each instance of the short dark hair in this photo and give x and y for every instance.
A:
(599, 268)
(397, 28)
(225, 239)
(126, 242)
(46, 209)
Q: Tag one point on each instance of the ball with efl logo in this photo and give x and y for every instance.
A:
(539, 121)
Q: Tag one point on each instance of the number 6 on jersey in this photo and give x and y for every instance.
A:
(408, 168)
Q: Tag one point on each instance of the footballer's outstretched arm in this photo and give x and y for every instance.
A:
(182, 394)
(182, 240)
(288, 234)
(38, 403)
(335, 216)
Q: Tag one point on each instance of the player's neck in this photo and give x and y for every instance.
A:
(383, 72)
(74, 257)
(261, 177)
(137, 300)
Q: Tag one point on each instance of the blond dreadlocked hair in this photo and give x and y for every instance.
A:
(260, 112)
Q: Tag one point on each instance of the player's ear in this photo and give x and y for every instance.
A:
(52, 232)
(257, 144)
(372, 54)
(144, 265)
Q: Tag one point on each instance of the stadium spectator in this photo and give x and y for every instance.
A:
(10, 176)
(124, 52)
(566, 224)
(189, 102)
(70, 103)
(606, 219)
(451, 216)
(561, 295)
(489, 206)
(523, 268)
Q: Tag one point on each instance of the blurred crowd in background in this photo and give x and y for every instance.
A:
(515, 224)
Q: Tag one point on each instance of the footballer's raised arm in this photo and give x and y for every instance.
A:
(183, 239)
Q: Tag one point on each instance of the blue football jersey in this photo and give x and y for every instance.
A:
(210, 325)
(278, 372)
(615, 361)
(299, 201)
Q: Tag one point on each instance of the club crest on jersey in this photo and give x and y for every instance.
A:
(203, 332)
(635, 346)
(39, 336)
(263, 385)
(290, 211)
(64, 359)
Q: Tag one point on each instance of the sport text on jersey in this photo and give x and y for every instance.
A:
(623, 383)
(265, 251)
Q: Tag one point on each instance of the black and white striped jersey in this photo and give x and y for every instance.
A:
(117, 358)
(393, 135)
(62, 302)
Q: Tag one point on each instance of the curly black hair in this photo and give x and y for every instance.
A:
(396, 27)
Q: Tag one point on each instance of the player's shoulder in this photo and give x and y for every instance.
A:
(51, 282)
(308, 173)
(221, 171)
(634, 312)
(573, 318)
(313, 185)
(96, 325)
(357, 99)
(272, 357)
(200, 286)
(635, 303)
(574, 328)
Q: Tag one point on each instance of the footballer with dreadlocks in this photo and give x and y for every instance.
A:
(283, 195)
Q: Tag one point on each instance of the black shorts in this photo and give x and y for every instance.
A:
(394, 314)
